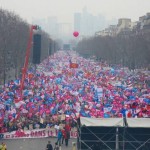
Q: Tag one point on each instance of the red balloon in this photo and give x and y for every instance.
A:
(75, 33)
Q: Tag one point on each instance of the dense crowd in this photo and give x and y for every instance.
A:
(54, 93)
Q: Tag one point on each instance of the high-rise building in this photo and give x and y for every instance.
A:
(87, 24)
(65, 31)
(52, 27)
(124, 26)
(77, 22)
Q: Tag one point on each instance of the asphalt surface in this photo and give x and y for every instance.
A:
(34, 144)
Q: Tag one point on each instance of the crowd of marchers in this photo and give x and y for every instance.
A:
(54, 93)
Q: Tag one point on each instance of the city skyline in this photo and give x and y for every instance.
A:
(84, 22)
(57, 17)
(65, 9)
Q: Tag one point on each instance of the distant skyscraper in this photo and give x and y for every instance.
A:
(87, 24)
(65, 31)
(77, 22)
(52, 27)
(101, 22)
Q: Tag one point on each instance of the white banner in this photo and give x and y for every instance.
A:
(37, 133)
(107, 109)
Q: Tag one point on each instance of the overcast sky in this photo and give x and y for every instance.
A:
(64, 9)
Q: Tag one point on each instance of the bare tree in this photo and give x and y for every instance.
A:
(13, 42)
(132, 50)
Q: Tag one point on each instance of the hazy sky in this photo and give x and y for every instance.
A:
(64, 9)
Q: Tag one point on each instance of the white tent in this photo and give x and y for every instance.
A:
(116, 122)
(102, 122)
(138, 122)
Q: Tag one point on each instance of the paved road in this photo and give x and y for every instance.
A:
(34, 144)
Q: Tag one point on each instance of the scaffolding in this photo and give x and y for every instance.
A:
(113, 134)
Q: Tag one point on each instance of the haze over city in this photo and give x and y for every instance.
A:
(61, 13)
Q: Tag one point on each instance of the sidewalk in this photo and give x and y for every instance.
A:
(34, 144)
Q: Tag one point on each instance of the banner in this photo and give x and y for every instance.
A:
(73, 65)
(99, 93)
(107, 109)
(37, 133)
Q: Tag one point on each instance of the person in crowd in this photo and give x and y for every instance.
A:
(49, 146)
(73, 146)
(56, 146)
(66, 137)
(59, 137)
(63, 134)
(68, 128)
(1, 146)
(4, 146)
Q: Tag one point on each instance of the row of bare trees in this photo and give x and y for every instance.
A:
(132, 50)
(14, 34)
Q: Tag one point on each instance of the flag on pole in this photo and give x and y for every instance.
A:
(74, 65)
(18, 103)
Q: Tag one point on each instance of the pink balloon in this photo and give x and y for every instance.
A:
(30, 115)
(114, 109)
(10, 117)
(41, 112)
(47, 111)
(75, 33)
(1, 119)
(114, 102)
(92, 110)
(101, 114)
